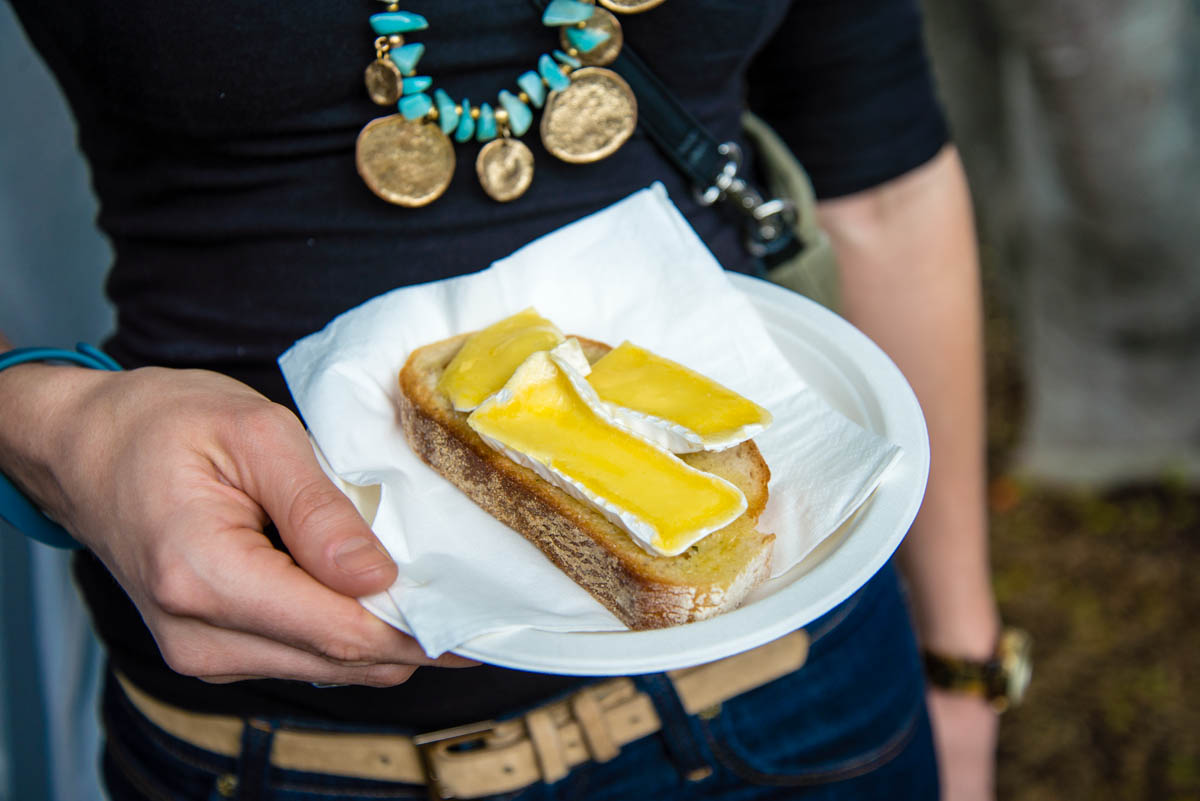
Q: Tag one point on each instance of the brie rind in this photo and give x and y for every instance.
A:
(570, 353)
(539, 367)
(671, 435)
(664, 433)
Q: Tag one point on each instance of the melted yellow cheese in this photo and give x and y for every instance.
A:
(637, 379)
(540, 416)
(490, 356)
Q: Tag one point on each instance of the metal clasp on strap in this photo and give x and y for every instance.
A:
(727, 179)
(769, 222)
(446, 738)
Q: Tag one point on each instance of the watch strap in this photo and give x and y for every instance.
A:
(1001, 679)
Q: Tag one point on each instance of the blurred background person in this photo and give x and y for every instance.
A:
(1079, 125)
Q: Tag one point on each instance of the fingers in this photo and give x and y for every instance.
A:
(194, 648)
(382, 675)
(278, 632)
(320, 526)
(291, 607)
(232, 578)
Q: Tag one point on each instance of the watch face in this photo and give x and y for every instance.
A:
(1014, 654)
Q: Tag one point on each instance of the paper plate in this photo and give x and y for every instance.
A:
(856, 378)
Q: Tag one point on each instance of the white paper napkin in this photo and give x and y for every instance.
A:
(633, 271)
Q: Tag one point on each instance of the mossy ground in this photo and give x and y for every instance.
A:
(1106, 582)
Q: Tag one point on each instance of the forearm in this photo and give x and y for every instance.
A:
(910, 281)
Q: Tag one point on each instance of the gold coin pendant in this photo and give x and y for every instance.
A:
(590, 119)
(406, 162)
(384, 81)
(630, 6)
(505, 168)
(604, 53)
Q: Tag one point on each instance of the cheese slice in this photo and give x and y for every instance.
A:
(672, 405)
(540, 420)
(489, 356)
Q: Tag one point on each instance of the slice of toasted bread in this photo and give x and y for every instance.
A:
(643, 590)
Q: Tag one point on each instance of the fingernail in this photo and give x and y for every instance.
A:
(361, 555)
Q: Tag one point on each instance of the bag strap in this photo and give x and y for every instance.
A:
(713, 168)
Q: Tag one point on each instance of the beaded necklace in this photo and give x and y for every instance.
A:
(588, 112)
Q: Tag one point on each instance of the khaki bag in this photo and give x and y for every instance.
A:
(812, 272)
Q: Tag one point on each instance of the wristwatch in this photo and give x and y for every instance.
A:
(1001, 680)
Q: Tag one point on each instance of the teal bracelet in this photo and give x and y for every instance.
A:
(14, 506)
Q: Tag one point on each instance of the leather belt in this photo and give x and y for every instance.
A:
(491, 757)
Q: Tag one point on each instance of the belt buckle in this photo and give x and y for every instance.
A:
(446, 738)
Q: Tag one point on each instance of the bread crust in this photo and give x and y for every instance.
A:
(643, 590)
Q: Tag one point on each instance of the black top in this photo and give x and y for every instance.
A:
(221, 142)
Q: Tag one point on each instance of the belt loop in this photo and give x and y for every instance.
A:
(596, 733)
(678, 736)
(547, 745)
(254, 763)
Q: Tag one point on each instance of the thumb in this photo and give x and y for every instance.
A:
(319, 525)
(329, 539)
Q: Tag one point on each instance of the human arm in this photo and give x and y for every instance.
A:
(910, 281)
(169, 477)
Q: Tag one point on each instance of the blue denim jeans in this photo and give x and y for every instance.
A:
(850, 724)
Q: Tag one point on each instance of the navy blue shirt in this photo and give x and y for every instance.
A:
(221, 142)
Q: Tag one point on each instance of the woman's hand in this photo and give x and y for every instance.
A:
(169, 477)
(964, 734)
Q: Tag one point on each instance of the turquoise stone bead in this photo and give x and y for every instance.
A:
(406, 57)
(552, 74)
(520, 116)
(565, 58)
(390, 22)
(566, 12)
(531, 84)
(466, 125)
(414, 107)
(485, 127)
(586, 40)
(414, 86)
(447, 114)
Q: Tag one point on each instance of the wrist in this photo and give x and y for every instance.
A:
(41, 409)
(1000, 680)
